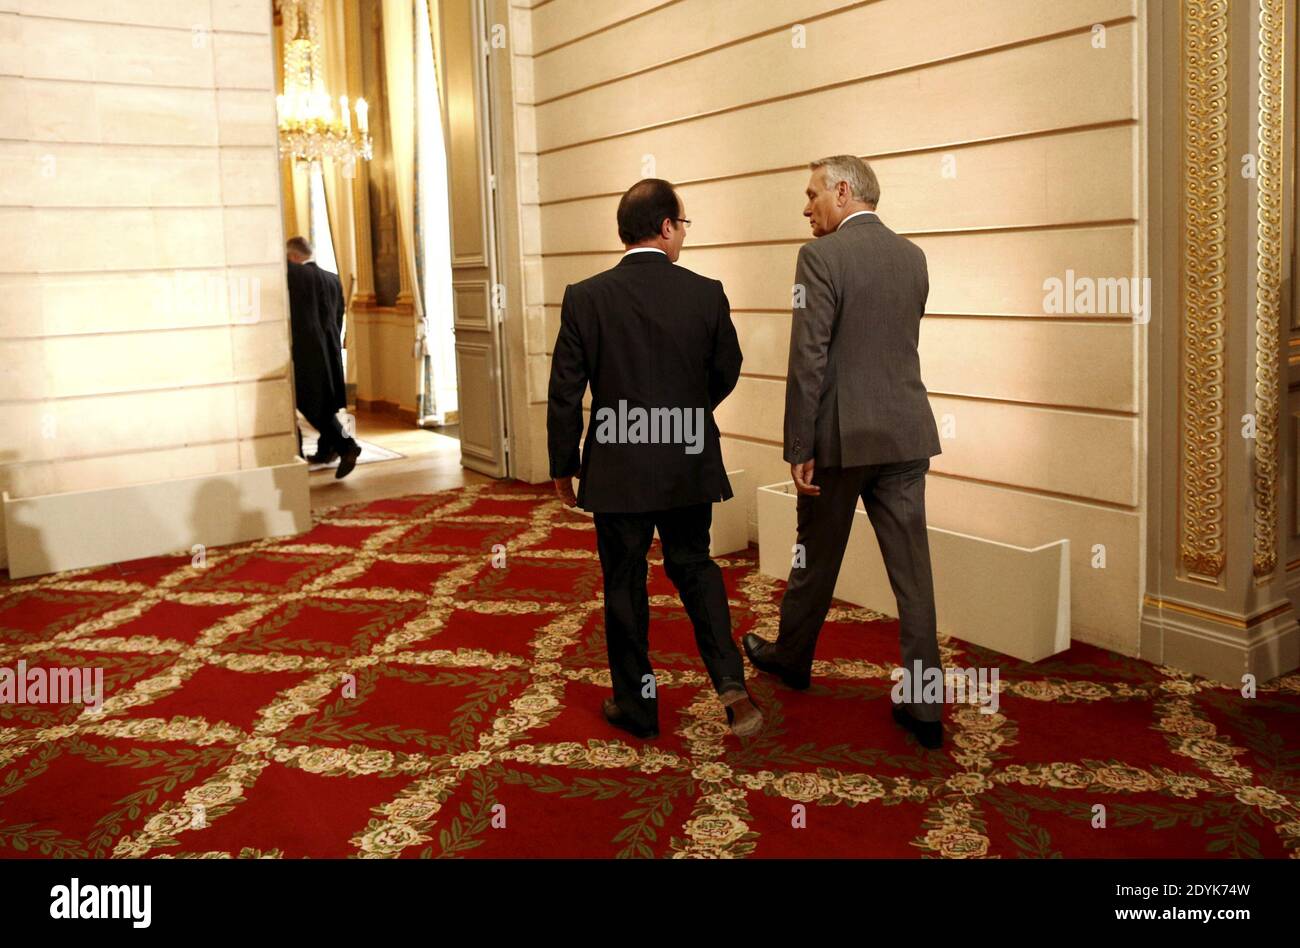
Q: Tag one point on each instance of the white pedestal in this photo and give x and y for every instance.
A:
(55, 532)
(1011, 599)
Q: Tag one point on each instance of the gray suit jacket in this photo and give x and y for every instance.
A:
(854, 394)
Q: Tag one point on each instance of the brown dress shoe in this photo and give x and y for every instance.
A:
(742, 714)
(615, 716)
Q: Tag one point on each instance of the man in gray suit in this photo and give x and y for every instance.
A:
(857, 424)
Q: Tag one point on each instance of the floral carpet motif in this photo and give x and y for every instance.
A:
(422, 677)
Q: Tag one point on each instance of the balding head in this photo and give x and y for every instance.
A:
(650, 215)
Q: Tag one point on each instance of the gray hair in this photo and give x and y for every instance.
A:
(861, 179)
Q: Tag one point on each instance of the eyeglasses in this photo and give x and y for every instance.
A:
(682, 220)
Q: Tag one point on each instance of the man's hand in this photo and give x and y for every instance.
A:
(803, 476)
(564, 491)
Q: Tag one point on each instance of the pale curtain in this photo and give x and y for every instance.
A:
(399, 71)
(435, 209)
(338, 184)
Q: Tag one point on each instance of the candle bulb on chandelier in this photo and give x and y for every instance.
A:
(363, 113)
(347, 116)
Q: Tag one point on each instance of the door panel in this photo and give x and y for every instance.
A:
(473, 239)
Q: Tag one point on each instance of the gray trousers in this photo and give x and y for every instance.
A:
(894, 497)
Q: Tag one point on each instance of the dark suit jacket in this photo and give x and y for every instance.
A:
(854, 394)
(650, 334)
(316, 325)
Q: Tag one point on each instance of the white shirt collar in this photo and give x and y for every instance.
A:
(853, 215)
(644, 250)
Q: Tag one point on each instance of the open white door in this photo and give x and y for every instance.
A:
(478, 309)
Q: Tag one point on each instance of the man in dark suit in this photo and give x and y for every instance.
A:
(657, 344)
(316, 325)
(857, 424)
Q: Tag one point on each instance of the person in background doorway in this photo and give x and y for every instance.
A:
(316, 321)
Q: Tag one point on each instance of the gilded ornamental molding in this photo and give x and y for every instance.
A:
(1203, 280)
(1268, 273)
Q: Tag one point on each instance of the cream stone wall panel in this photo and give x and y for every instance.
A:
(537, 340)
(1020, 360)
(983, 274)
(177, 14)
(242, 61)
(674, 30)
(55, 304)
(269, 451)
(90, 365)
(125, 239)
(563, 21)
(539, 376)
(46, 111)
(112, 53)
(521, 35)
(20, 304)
(252, 235)
(261, 351)
(143, 467)
(124, 362)
(763, 463)
(242, 16)
(16, 250)
(23, 373)
(245, 118)
(133, 422)
(53, 174)
(1079, 454)
(1067, 452)
(140, 115)
(11, 50)
(264, 408)
(1047, 180)
(249, 175)
(764, 341)
(770, 66)
(1052, 84)
(1050, 362)
(1004, 273)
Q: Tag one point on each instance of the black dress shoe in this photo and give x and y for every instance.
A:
(326, 457)
(929, 733)
(349, 456)
(615, 716)
(760, 656)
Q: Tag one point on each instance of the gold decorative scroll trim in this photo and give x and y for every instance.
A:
(1268, 278)
(1202, 283)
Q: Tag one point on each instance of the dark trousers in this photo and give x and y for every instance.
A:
(894, 497)
(622, 541)
(332, 435)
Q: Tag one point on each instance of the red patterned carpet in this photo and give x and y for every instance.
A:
(379, 687)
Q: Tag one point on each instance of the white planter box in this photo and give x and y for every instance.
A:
(730, 531)
(1007, 598)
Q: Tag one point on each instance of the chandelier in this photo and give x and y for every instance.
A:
(309, 130)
